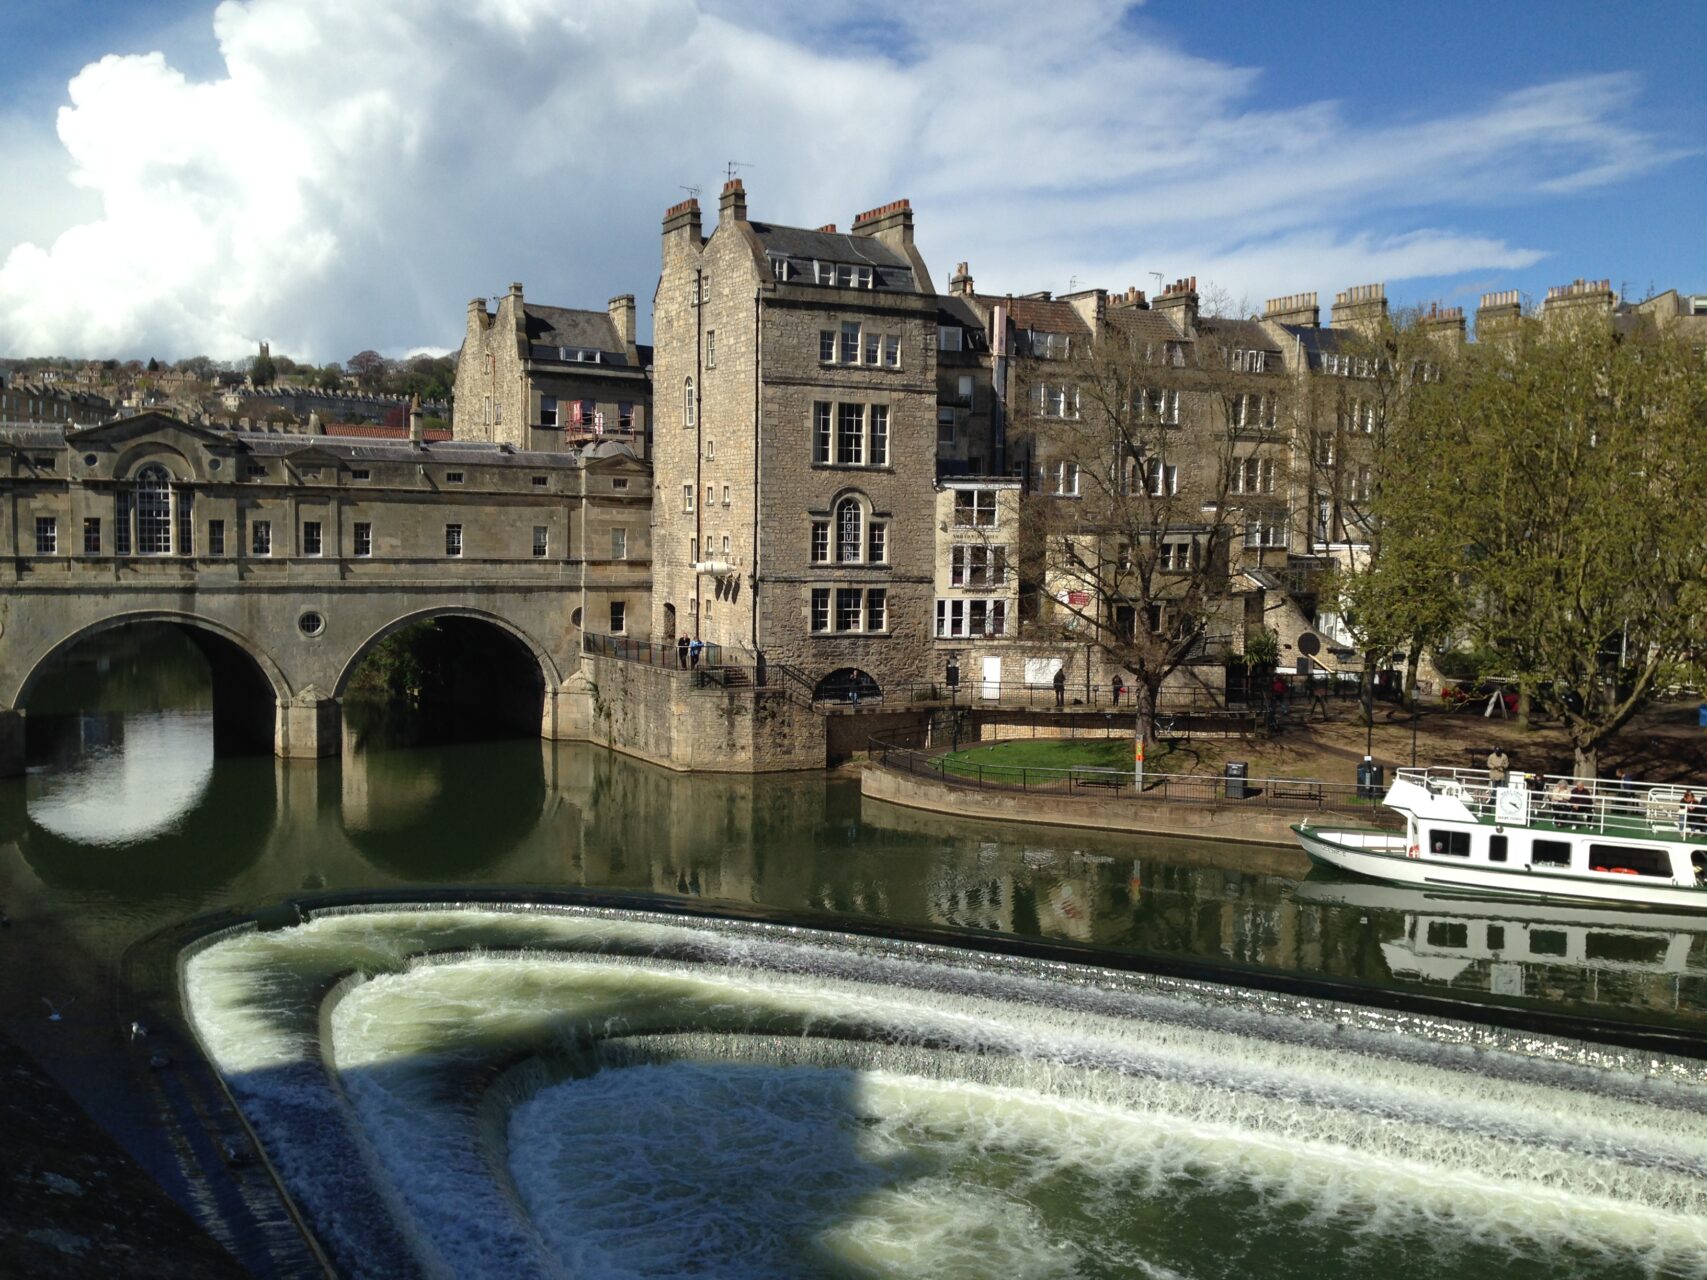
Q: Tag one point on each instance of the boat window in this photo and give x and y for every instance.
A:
(1496, 937)
(1547, 942)
(1551, 853)
(1625, 948)
(1445, 933)
(1624, 860)
(1496, 848)
(1455, 843)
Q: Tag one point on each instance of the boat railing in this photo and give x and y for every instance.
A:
(1587, 804)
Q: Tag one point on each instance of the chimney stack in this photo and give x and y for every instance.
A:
(1362, 307)
(891, 223)
(1179, 303)
(415, 433)
(960, 283)
(684, 217)
(1499, 313)
(1297, 309)
(1580, 297)
(622, 317)
(1443, 323)
(732, 205)
(478, 316)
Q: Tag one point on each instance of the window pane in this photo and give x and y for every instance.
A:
(821, 432)
(876, 609)
(879, 435)
(850, 438)
(847, 531)
(153, 512)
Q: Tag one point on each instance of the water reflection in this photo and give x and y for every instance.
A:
(107, 779)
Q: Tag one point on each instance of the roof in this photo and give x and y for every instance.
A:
(1042, 315)
(566, 327)
(473, 452)
(1143, 324)
(378, 431)
(890, 270)
(1240, 333)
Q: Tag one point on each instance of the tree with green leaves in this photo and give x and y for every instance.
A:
(1579, 455)
(262, 371)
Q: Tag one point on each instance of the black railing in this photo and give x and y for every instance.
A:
(1285, 794)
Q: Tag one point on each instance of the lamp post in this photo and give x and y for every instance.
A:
(953, 678)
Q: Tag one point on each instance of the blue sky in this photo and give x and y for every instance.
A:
(332, 175)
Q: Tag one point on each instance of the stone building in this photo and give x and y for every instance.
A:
(795, 444)
(550, 378)
(24, 401)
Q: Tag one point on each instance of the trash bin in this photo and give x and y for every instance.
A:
(1237, 771)
(1370, 780)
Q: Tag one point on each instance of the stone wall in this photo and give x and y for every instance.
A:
(668, 717)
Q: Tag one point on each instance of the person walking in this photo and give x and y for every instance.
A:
(1060, 686)
(682, 651)
(694, 650)
(1498, 766)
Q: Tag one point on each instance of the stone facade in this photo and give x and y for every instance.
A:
(795, 451)
(551, 378)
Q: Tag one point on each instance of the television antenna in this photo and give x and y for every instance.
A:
(729, 174)
(692, 191)
(1157, 277)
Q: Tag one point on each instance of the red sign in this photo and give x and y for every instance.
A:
(1078, 599)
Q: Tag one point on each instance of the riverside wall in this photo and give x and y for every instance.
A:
(1138, 817)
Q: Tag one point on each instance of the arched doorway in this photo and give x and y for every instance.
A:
(848, 685)
(669, 623)
(440, 676)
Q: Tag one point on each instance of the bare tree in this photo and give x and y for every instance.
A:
(1153, 456)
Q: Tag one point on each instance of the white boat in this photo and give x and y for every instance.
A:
(1629, 844)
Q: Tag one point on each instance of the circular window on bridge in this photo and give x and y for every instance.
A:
(90, 459)
(310, 623)
(575, 618)
(214, 464)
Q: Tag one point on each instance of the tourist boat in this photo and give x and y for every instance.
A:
(1633, 844)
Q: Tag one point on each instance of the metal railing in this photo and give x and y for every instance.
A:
(1284, 794)
(658, 655)
(1586, 804)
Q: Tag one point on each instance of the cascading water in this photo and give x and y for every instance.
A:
(575, 1092)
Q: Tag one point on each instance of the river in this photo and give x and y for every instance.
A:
(128, 825)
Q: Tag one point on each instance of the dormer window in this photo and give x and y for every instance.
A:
(779, 267)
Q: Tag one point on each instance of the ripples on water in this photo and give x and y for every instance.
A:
(570, 1092)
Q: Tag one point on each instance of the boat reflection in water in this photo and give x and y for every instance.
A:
(1572, 951)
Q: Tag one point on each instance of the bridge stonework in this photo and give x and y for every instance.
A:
(286, 558)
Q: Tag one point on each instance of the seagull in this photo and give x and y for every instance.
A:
(53, 1011)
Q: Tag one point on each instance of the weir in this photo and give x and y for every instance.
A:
(539, 1091)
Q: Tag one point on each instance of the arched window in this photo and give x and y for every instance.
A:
(687, 403)
(849, 531)
(153, 511)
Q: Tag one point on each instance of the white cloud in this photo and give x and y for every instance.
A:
(358, 171)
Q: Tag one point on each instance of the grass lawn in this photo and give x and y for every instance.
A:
(1053, 753)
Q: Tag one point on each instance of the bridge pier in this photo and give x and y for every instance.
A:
(11, 743)
(310, 726)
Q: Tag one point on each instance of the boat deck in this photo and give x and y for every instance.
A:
(1630, 811)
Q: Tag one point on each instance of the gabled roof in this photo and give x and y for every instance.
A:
(1239, 333)
(142, 424)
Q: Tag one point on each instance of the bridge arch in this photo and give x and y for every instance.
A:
(547, 668)
(482, 674)
(248, 685)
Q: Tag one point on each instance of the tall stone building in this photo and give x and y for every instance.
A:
(795, 443)
(550, 378)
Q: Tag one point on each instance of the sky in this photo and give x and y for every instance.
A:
(185, 177)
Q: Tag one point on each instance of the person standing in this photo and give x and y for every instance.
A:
(1060, 686)
(1498, 766)
(682, 651)
(1119, 688)
(695, 648)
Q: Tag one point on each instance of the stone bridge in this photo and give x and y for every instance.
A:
(287, 558)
